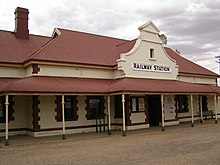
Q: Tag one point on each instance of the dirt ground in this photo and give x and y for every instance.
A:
(177, 146)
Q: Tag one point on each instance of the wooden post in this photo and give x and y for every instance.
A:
(6, 121)
(123, 111)
(109, 116)
(162, 109)
(191, 98)
(63, 117)
(201, 114)
(216, 110)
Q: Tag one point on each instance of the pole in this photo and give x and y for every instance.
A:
(162, 109)
(109, 116)
(216, 110)
(123, 111)
(63, 117)
(6, 121)
(191, 98)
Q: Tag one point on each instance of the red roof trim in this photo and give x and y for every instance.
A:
(37, 84)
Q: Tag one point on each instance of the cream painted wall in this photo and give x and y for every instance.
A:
(218, 104)
(19, 115)
(199, 80)
(68, 71)
(12, 72)
(211, 105)
(137, 117)
(140, 53)
(169, 107)
(195, 108)
(28, 70)
(47, 112)
(47, 116)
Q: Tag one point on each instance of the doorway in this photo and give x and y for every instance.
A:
(154, 109)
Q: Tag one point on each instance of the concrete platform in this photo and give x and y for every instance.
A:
(178, 145)
(20, 140)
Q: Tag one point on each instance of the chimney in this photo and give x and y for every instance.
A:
(21, 23)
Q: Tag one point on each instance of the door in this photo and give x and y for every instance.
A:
(154, 110)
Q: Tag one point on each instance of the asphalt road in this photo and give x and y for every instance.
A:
(182, 146)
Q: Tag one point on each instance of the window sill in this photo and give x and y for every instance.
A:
(152, 59)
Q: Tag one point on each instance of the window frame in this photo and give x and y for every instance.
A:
(69, 111)
(118, 106)
(152, 53)
(73, 114)
(91, 115)
(182, 100)
(137, 106)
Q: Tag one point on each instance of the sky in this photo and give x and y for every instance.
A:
(191, 26)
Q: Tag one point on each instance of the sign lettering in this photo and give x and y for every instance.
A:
(149, 67)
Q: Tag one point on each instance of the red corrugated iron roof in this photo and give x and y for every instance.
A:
(188, 67)
(13, 50)
(160, 86)
(102, 86)
(80, 48)
(56, 85)
(4, 82)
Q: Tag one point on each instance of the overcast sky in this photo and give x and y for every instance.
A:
(191, 26)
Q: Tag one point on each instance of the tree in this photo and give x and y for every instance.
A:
(163, 39)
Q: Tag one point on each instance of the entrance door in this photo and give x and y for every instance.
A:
(154, 109)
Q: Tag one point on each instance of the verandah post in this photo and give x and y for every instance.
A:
(63, 119)
(191, 99)
(216, 110)
(109, 116)
(201, 114)
(6, 121)
(162, 112)
(123, 111)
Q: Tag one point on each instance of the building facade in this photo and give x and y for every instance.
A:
(76, 82)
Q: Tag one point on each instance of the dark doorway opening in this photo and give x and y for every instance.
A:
(154, 109)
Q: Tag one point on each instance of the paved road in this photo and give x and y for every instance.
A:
(183, 146)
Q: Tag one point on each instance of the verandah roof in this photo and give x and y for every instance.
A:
(100, 86)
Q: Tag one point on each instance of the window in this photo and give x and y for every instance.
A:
(70, 108)
(2, 110)
(10, 109)
(137, 104)
(151, 53)
(182, 103)
(118, 106)
(95, 107)
(204, 104)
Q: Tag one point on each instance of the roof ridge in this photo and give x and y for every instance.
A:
(37, 35)
(93, 34)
